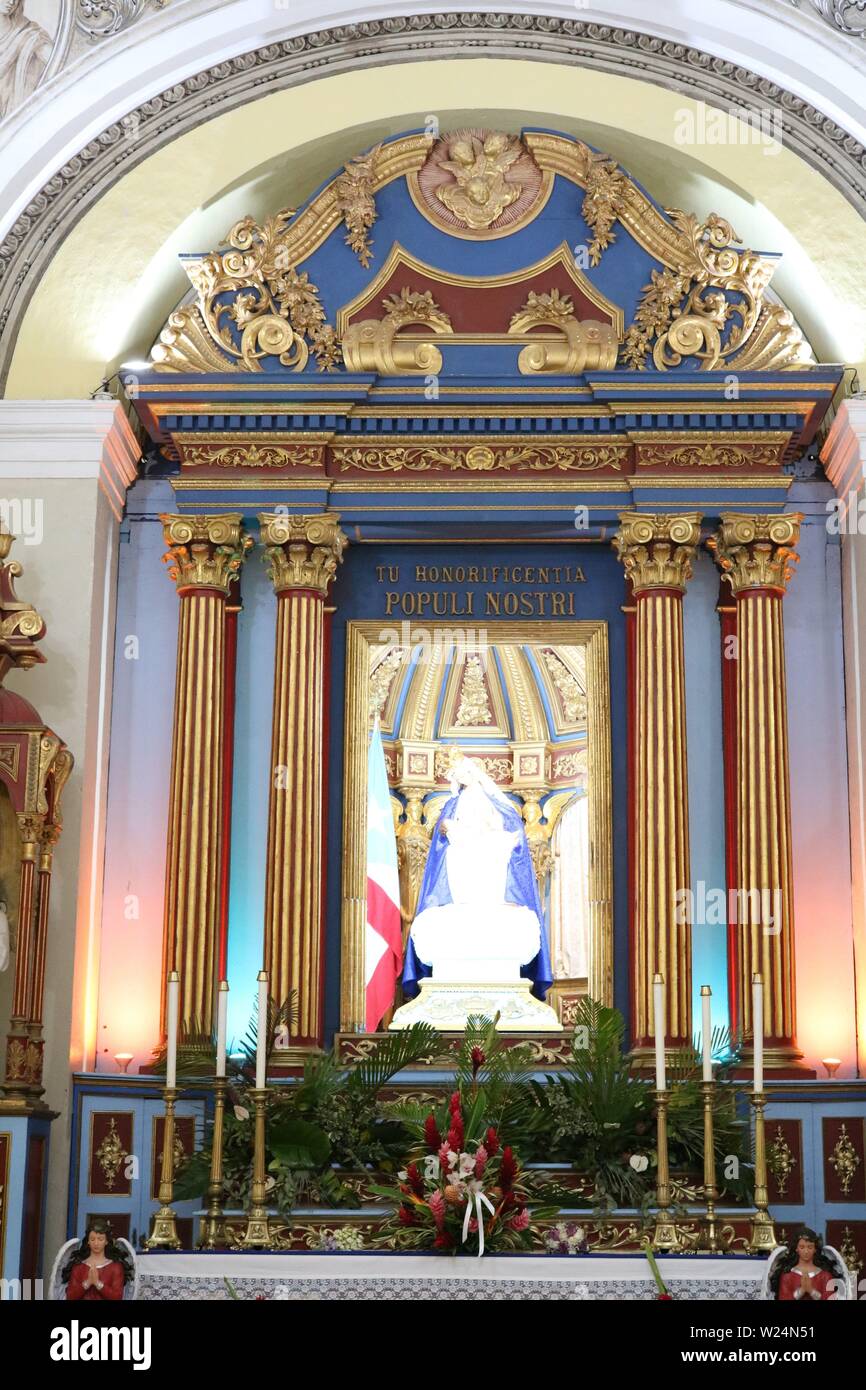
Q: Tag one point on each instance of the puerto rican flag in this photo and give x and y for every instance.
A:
(384, 938)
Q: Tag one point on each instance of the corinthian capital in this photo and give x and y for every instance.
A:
(302, 552)
(205, 552)
(657, 551)
(756, 552)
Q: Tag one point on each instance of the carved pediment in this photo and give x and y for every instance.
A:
(573, 237)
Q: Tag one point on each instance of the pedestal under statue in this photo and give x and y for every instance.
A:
(477, 945)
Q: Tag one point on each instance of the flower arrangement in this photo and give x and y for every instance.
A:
(566, 1238)
(464, 1195)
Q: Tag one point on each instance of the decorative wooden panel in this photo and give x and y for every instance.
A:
(119, 1221)
(785, 1162)
(849, 1238)
(112, 1142)
(184, 1143)
(34, 1188)
(843, 1145)
(184, 1231)
(5, 1159)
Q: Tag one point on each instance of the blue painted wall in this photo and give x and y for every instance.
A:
(251, 789)
(706, 785)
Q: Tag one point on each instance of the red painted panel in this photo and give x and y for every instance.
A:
(843, 1143)
(34, 1186)
(486, 307)
(785, 1151)
(112, 1140)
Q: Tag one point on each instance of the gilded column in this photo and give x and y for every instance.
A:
(757, 557)
(205, 554)
(23, 1056)
(657, 553)
(302, 554)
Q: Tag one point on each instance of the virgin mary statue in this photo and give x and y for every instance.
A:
(479, 919)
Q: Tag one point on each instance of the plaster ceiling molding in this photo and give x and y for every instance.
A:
(846, 16)
(29, 245)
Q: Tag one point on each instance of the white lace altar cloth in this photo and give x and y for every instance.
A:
(350, 1276)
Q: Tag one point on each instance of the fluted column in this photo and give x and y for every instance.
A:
(756, 555)
(205, 554)
(23, 1056)
(302, 554)
(657, 553)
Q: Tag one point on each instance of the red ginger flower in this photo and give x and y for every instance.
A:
(406, 1216)
(478, 1059)
(456, 1133)
(507, 1169)
(436, 1203)
(491, 1143)
(432, 1137)
(415, 1182)
(520, 1219)
(443, 1241)
(480, 1160)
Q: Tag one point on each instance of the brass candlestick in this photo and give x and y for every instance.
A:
(164, 1234)
(763, 1231)
(213, 1236)
(665, 1236)
(258, 1233)
(710, 1189)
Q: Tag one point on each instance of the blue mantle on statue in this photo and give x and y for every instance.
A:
(521, 891)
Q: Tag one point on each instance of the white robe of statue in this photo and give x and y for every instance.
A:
(478, 937)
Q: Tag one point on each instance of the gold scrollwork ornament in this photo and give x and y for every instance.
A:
(845, 1159)
(111, 1155)
(711, 307)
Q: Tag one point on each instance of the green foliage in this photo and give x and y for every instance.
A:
(599, 1114)
(331, 1119)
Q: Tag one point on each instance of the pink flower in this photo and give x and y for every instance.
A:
(436, 1203)
(480, 1160)
(445, 1157)
(520, 1220)
(473, 1225)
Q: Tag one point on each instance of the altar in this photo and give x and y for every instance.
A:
(454, 842)
(352, 1277)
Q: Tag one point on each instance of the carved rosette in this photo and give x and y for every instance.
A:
(757, 552)
(205, 552)
(302, 552)
(657, 551)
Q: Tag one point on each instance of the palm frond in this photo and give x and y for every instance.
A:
(392, 1054)
(279, 1015)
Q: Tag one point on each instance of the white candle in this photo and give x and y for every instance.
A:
(659, 1019)
(262, 1039)
(172, 1002)
(707, 1031)
(758, 1030)
(222, 1015)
